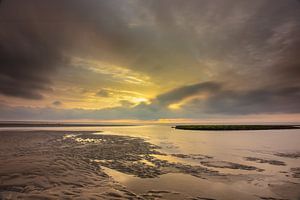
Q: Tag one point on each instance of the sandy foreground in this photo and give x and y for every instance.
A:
(76, 165)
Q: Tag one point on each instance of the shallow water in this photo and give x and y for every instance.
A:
(231, 146)
(222, 147)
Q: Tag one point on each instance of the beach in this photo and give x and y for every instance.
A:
(147, 162)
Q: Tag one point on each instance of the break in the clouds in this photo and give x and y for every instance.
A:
(148, 59)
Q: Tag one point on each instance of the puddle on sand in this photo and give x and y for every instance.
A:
(183, 186)
(196, 160)
(147, 162)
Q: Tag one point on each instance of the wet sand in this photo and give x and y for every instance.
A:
(84, 165)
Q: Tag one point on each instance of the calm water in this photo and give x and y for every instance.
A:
(232, 146)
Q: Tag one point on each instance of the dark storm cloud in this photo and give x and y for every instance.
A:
(252, 39)
(25, 64)
(265, 100)
(221, 99)
(181, 93)
(29, 53)
(36, 36)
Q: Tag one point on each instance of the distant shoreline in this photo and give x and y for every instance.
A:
(8, 125)
(235, 127)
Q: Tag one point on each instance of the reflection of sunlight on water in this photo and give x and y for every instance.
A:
(147, 162)
(183, 186)
(70, 136)
(168, 158)
(88, 140)
(195, 162)
(82, 140)
(118, 176)
(105, 133)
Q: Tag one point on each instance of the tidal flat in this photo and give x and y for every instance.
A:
(123, 163)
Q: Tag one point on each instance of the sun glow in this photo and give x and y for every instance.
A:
(178, 105)
(138, 100)
(175, 106)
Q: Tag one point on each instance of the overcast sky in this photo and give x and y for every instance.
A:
(149, 59)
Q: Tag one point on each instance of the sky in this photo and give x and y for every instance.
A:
(150, 60)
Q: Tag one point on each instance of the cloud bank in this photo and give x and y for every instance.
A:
(168, 58)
